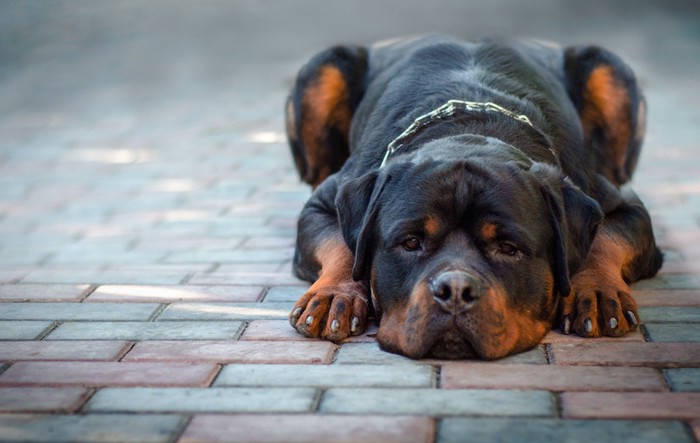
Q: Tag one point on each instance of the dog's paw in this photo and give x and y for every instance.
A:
(331, 311)
(600, 303)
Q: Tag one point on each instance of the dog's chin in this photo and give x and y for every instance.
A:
(452, 347)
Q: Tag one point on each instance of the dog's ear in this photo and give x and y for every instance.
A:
(320, 109)
(357, 206)
(574, 218)
(611, 108)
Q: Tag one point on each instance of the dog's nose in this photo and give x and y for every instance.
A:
(455, 290)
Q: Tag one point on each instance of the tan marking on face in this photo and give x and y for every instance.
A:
(607, 105)
(498, 329)
(488, 231)
(495, 327)
(431, 226)
(403, 327)
(391, 329)
(505, 329)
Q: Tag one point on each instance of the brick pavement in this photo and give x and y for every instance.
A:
(147, 218)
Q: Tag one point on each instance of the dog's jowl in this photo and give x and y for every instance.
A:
(469, 196)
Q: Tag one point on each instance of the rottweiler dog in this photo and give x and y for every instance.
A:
(469, 195)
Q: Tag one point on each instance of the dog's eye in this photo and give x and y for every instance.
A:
(411, 244)
(507, 249)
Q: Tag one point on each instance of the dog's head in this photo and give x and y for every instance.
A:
(466, 257)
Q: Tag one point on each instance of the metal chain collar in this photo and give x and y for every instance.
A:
(447, 110)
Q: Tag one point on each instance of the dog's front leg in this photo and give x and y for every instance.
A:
(623, 251)
(335, 305)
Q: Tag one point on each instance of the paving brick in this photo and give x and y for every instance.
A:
(275, 330)
(202, 400)
(41, 400)
(233, 256)
(170, 330)
(675, 332)
(226, 311)
(535, 356)
(246, 278)
(675, 314)
(43, 292)
(249, 267)
(684, 379)
(237, 226)
(183, 243)
(227, 268)
(280, 330)
(170, 294)
(93, 428)
(77, 311)
(9, 276)
(70, 350)
(326, 376)
(677, 297)
(96, 374)
(676, 267)
(552, 378)
(270, 242)
(628, 405)
(80, 256)
(17, 257)
(22, 330)
(370, 354)
(667, 355)
(437, 402)
(517, 430)
(312, 352)
(160, 268)
(253, 231)
(556, 336)
(176, 185)
(369, 336)
(117, 277)
(308, 428)
(285, 293)
(286, 267)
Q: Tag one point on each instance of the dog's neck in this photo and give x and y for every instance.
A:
(455, 110)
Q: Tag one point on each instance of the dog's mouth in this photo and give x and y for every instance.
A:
(452, 346)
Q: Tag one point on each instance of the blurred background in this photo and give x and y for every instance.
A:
(135, 62)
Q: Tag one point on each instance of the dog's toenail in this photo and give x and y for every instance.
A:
(588, 326)
(354, 324)
(566, 325)
(309, 320)
(613, 323)
(335, 325)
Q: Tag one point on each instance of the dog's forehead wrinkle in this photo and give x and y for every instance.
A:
(453, 191)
